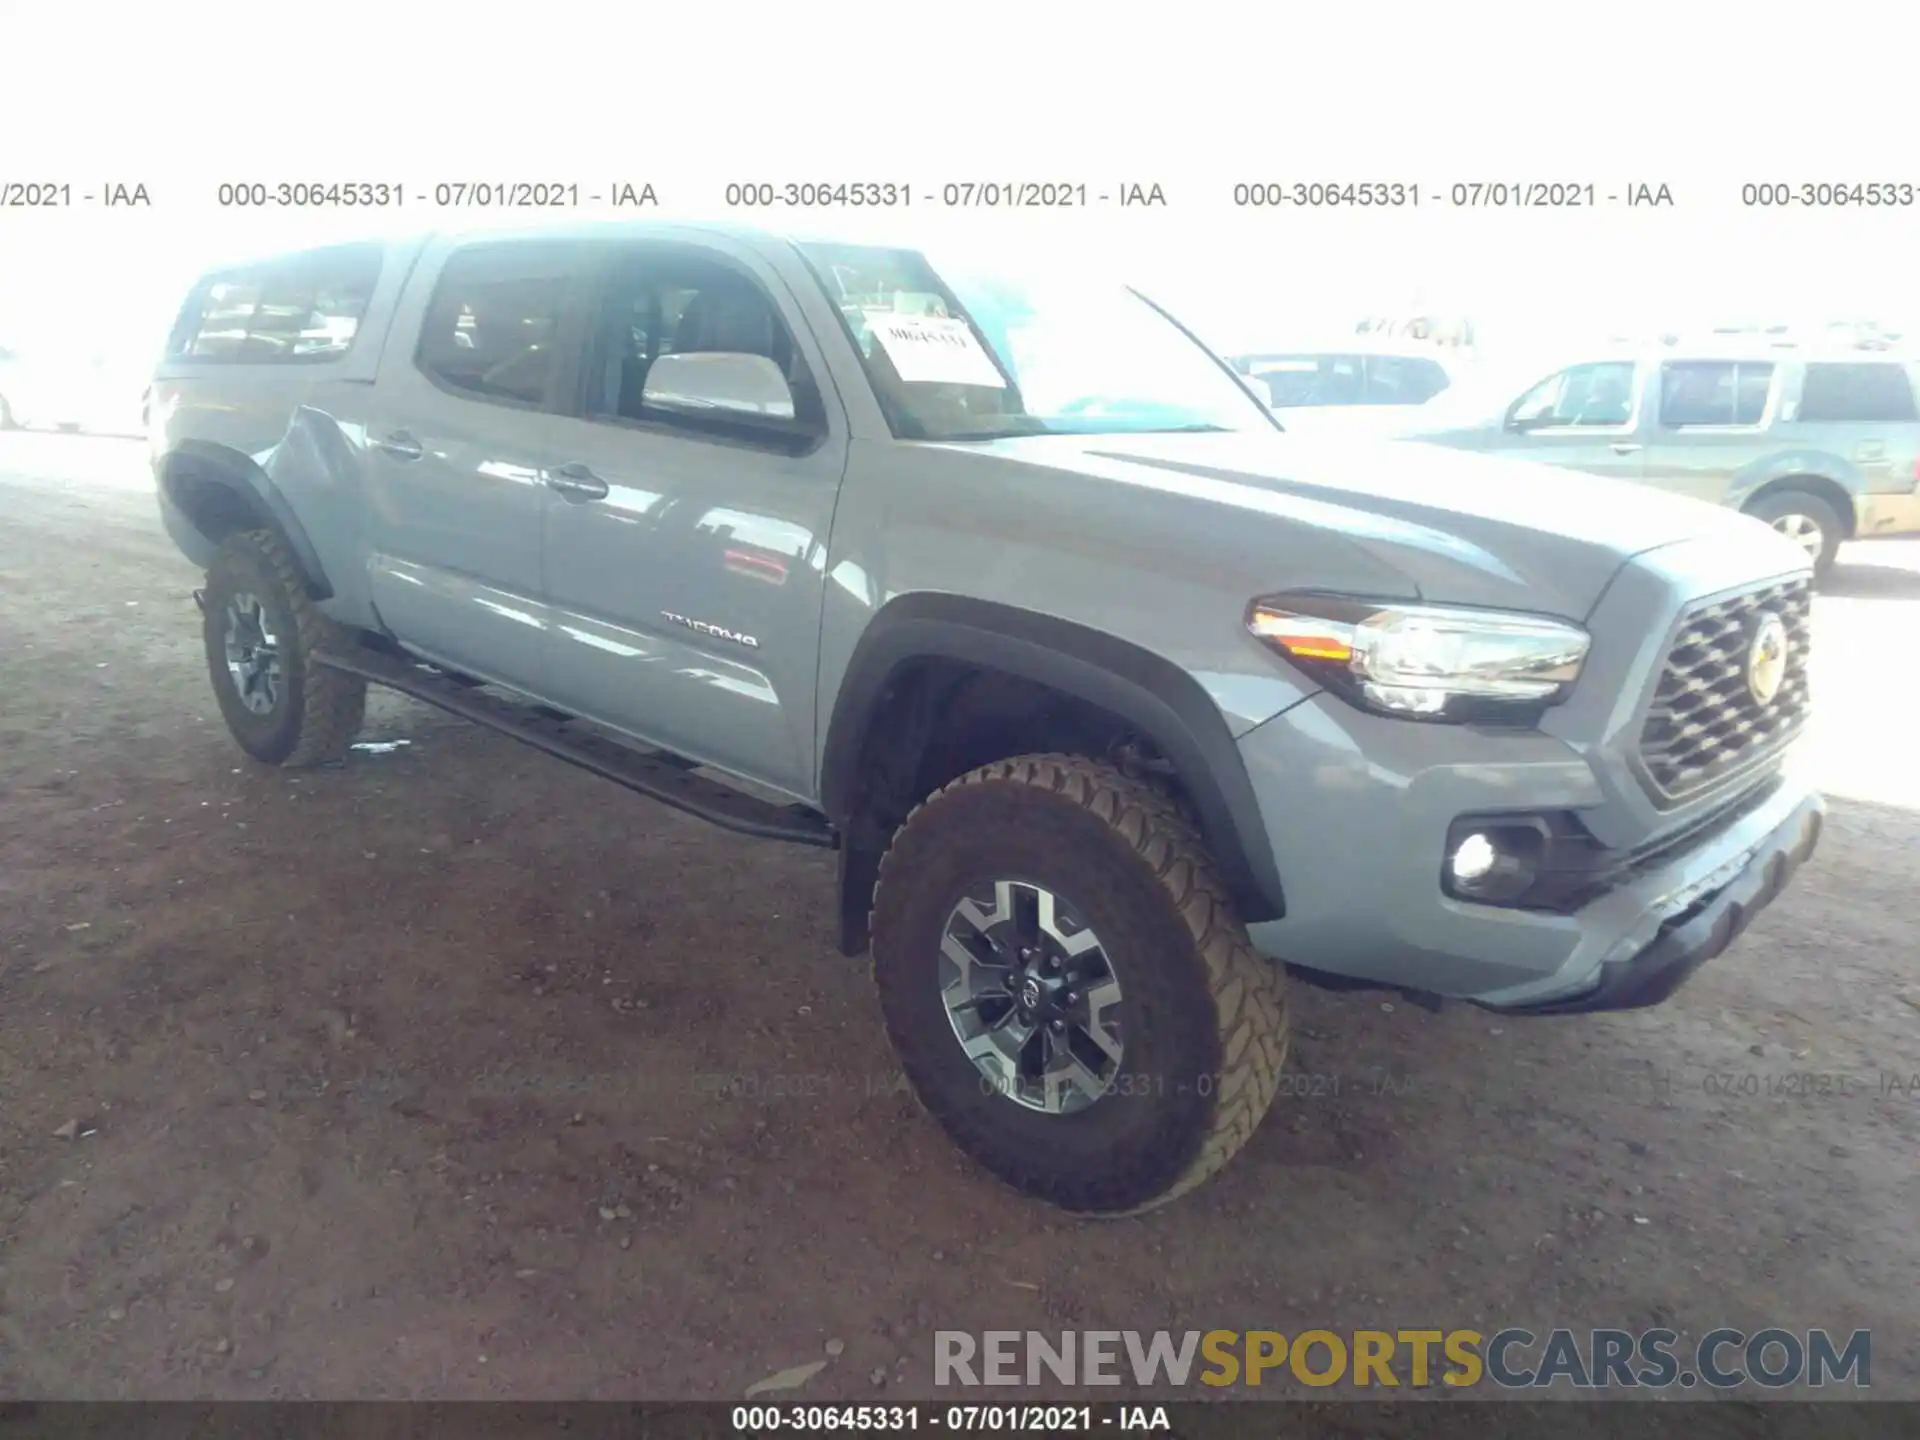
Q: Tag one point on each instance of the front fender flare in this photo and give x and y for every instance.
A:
(1152, 694)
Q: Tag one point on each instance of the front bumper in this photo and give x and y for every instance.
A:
(1358, 808)
(1699, 929)
(1887, 514)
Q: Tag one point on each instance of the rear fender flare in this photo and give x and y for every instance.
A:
(243, 476)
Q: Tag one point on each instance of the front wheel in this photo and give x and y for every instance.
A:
(1068, 988)
(261, 630)
(1807, 520)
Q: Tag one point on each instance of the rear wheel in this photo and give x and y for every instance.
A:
(1807, 520)
(261, 630)
(1068, 988)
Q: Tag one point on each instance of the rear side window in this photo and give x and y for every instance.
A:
(1403, 379)
(219, 331)
(493, 324)
(300, 309)
(1312, 379)
(1714, 392)
(1857, 391)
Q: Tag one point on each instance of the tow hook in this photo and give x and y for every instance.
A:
(200, 601)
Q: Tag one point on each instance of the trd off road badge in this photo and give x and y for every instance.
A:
(718, 632)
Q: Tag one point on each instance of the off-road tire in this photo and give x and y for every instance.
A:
(1206, 1017)
(319, 710)
(1804, 502)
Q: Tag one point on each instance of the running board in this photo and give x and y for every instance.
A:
(655, 774)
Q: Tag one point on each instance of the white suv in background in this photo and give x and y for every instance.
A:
(1350, 376)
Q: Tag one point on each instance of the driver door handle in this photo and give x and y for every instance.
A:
(1626, 447)
(577, 482)
(400, 445)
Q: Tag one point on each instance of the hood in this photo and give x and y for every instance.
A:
(1464, 529)
(1356, 421)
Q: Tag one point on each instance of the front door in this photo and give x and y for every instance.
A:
(1586, 417)
(683, 552)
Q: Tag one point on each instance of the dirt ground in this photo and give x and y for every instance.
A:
(456, 1073)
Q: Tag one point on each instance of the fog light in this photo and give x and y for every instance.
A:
(1474, 860)
(1494, 866)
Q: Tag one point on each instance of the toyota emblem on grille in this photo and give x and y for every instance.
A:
(1767, 659)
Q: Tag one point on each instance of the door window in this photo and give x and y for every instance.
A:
(493, 324)
(1714, 392)
(680, 300)
(1600, 394)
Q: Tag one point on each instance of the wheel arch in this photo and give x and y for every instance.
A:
(217, 491)
(1146, 691)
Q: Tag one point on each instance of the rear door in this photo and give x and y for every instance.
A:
(458, 449)
(1588, 417)
(1711, 420)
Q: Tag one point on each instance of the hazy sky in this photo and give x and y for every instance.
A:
(1193, 98)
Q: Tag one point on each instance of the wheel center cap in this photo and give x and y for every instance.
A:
(1030, 993)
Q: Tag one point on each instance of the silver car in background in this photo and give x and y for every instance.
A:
(43, 389)
(1821, 444)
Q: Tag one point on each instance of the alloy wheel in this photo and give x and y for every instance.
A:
(1804, 531)
(1032, 997)
(253, 654)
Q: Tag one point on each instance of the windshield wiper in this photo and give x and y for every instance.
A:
(1031, 427)
(1040, 427)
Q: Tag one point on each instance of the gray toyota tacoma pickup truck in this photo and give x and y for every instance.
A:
(1117, 704)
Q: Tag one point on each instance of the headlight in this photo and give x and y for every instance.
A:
(1433, 662)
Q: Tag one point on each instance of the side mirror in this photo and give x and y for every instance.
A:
(719, 383)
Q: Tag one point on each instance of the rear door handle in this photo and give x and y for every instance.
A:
(401, 446)
(577, 482)
(1625, 447)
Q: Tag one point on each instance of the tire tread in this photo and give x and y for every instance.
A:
(335, 703)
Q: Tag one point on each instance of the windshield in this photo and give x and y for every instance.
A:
(957, 354)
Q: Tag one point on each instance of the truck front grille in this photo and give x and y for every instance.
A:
(1705, 723)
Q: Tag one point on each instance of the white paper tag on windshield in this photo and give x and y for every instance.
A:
(934, 350)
